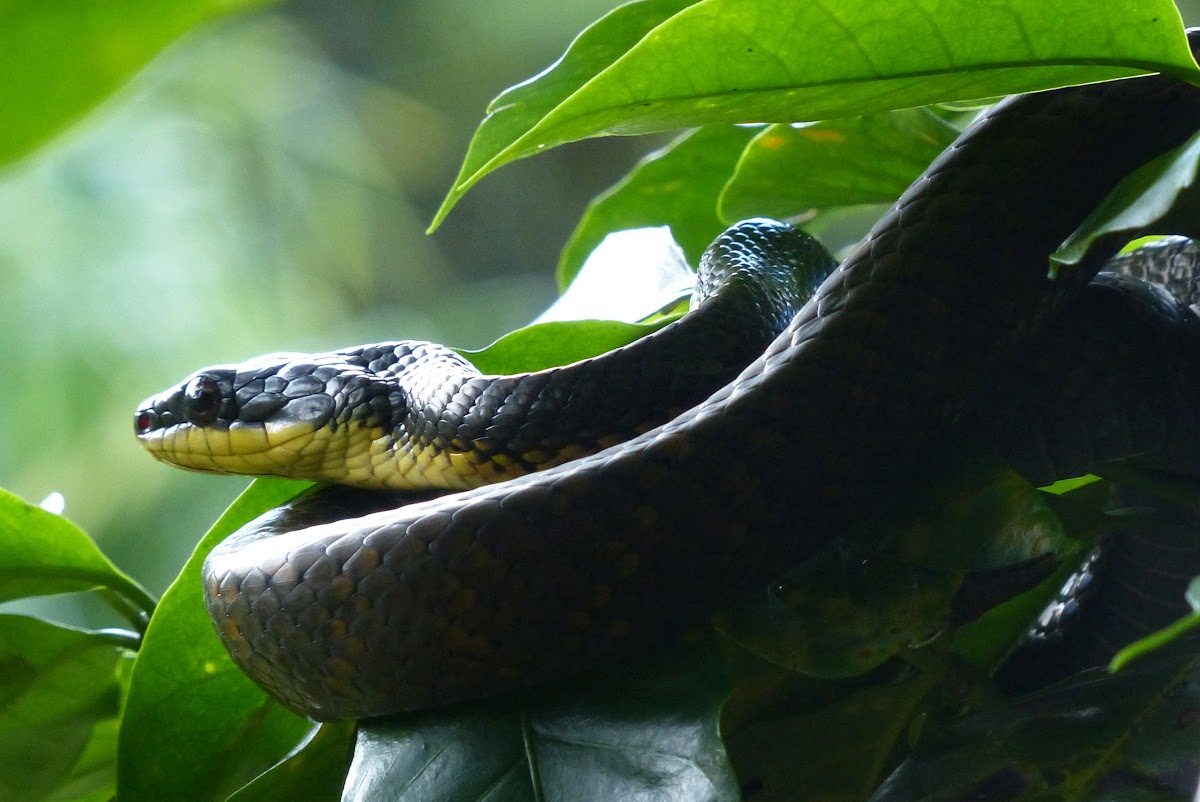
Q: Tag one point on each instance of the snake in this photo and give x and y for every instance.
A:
(529, 580)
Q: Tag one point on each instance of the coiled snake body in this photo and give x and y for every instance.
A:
(544, 576)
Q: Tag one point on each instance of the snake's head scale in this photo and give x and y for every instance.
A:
(258, 417)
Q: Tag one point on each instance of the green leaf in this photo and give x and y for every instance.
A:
(985, 642)
(546, 345)
(1063, 742)
(974, 514)
(836, 753)
(787, 171)
(314, 770)
(59, 689)
(737, 61)
(627, 289)
(42, 553)
(195, 727)
(648, 730)
(676, 186)
(631, 276)
(1154, 641)
(63, 58)
(843, 613)
(1149, 199)
(93, 778)
(518, 108)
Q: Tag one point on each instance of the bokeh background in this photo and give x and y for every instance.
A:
(265, 185)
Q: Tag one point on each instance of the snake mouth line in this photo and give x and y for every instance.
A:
(237, 447)
(359, 456)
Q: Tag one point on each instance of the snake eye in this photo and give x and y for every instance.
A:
(201, 400)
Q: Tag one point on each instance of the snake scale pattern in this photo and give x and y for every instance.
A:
(903, 350)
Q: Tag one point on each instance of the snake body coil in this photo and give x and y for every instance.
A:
(548, 575)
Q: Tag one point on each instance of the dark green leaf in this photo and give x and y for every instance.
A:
(1148, 200)
(975, 514)
(985, 642)
(787, 171)
(738, 61)
(42, 553)
(676, 186)
(60, 699)
(647, 731)
(843, 613)
(315, 770)
(837, 753)
(1065, 742)
(63, 58)
(195, 727)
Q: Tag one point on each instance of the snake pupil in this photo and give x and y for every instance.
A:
(201, 399)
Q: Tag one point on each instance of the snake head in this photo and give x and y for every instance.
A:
(269, 416)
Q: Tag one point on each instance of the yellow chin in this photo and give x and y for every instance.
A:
(369, 458)
(243, 448)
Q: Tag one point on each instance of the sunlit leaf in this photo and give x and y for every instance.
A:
(63, 58)
(741, 61)
(788, 170)
(195, 727)
(519, 108)
(676, 186)
(1193, 594)
(42, 553)
(545, 345)
(630, 276)
(58, 688)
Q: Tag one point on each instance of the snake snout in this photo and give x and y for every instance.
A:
(203, 399)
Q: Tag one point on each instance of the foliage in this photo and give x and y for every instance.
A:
(902, 701)
(73, 54)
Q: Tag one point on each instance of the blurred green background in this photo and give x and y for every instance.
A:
(265, 185)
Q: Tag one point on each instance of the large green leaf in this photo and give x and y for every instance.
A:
(195, 727)
(43, 553)
(62, 58)
(60, 697)
(722, 61)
